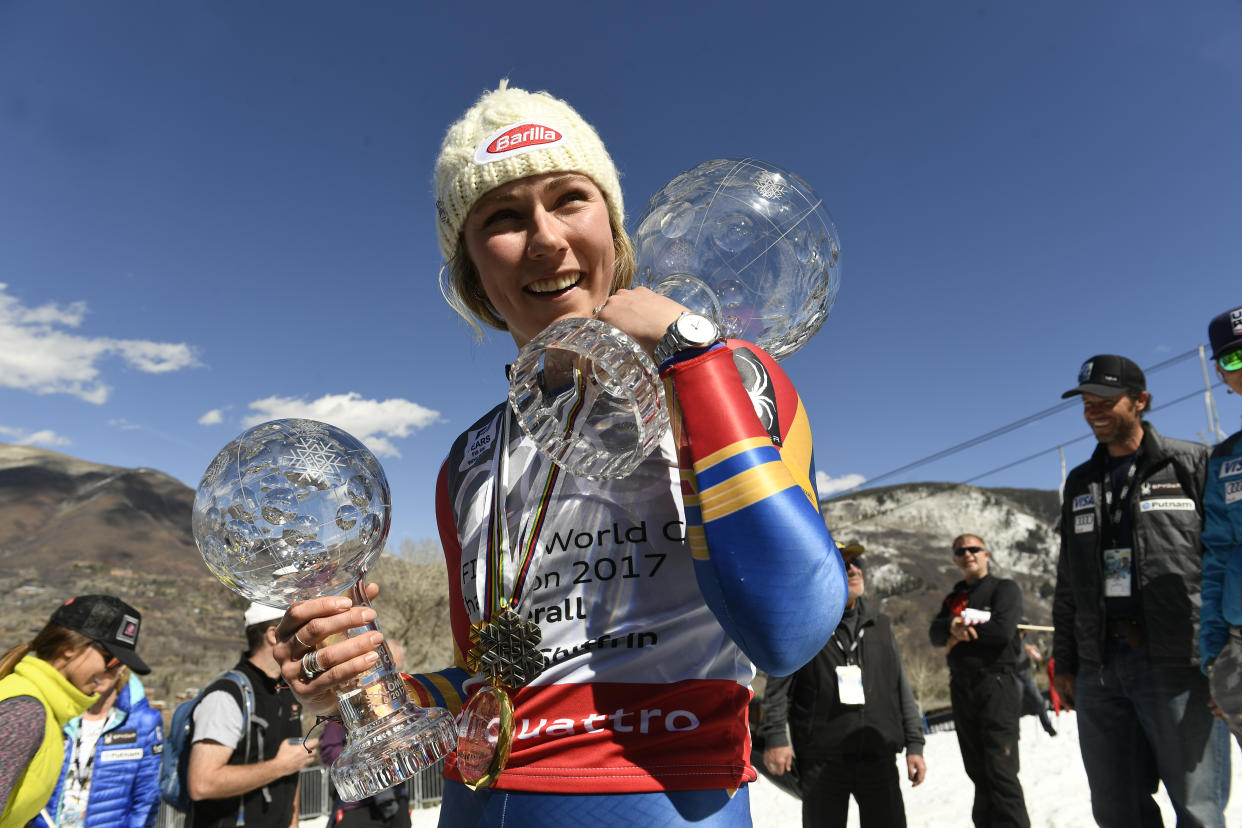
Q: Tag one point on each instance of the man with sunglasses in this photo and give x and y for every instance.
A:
(978, 627)
(1220, 628)
(1126, 611)
(844, 715)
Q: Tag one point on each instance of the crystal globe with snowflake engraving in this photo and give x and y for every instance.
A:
(291, 509)
(296, 509)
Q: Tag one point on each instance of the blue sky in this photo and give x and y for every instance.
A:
(213, 214)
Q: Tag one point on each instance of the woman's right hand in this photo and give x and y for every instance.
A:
(307, 626)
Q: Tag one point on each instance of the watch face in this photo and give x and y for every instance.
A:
(697, 329)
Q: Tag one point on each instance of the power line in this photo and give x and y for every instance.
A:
(1029, 457)
(991, 435)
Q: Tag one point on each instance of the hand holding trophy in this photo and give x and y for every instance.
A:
(742, 242)
(297, 509)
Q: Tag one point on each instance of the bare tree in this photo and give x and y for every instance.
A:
(413, 603)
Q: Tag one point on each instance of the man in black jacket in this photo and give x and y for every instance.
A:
(978, 627)
(1126, 611)
(847, 712)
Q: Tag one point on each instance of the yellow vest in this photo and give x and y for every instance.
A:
(32, 676)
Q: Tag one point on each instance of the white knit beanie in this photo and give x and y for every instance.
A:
(510, 134)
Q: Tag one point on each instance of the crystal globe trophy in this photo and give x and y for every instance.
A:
(741, 241)
(297, 509)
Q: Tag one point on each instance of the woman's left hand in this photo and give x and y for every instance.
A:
(642, 313)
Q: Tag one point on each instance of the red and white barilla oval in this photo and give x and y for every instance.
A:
(516, 140)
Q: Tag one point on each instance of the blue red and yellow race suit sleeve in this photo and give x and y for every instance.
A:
(764, 559)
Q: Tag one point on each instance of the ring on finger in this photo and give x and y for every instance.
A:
(300, 641)
(310, 666)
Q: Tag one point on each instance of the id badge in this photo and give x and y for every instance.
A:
(849, 684)
(1117, 573)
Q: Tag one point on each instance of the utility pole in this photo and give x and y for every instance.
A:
(1214, 432)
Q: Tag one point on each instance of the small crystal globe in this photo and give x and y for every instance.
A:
(291, 510)
(754, 235)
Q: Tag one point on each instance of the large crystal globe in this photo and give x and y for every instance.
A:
(290, 510)
(752, 235)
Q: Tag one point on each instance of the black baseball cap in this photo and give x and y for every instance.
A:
(1108, 375)
(107, 620)
(1225, 332)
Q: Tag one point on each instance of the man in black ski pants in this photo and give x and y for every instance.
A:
(848, 711)
(978, 627)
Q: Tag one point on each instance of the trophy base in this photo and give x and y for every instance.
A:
(412, 742)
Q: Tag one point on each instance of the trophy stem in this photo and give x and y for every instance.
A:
(390, 737)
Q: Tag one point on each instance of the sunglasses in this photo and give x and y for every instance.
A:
(1231, 361)
(855, 563)
(962, 550)
(111, 662)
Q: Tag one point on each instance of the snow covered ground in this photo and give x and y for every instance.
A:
(1052, 778)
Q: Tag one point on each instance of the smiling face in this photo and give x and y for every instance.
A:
(1115, 421)
(543, 249)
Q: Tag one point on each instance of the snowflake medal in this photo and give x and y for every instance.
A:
(506, 652)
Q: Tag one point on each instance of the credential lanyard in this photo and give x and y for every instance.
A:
(1115, 509)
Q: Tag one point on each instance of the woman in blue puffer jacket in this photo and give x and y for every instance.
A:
(110, 777)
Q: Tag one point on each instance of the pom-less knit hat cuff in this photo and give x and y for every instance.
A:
(510, 134)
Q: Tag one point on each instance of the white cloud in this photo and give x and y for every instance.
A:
(826, 485)
(38, 355)
(374, 422)
(45, 437)
(213, 417)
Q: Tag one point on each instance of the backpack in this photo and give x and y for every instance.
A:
(175, 761)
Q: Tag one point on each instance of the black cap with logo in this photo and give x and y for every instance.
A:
(108, 620)
(1108, 375)
(1225, 332)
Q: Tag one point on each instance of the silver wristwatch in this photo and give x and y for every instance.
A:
(690, 330)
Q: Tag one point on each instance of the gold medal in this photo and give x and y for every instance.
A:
(506, 650)
(484, 736)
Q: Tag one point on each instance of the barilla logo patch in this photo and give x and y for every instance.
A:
(1084, 502)
(516, 140)
(477, 444)
(128, 631)
(1235, 319)
(1230, 468)
(1233, 491)
(1084, 373)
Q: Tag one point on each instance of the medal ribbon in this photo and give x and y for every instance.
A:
(497, 530)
